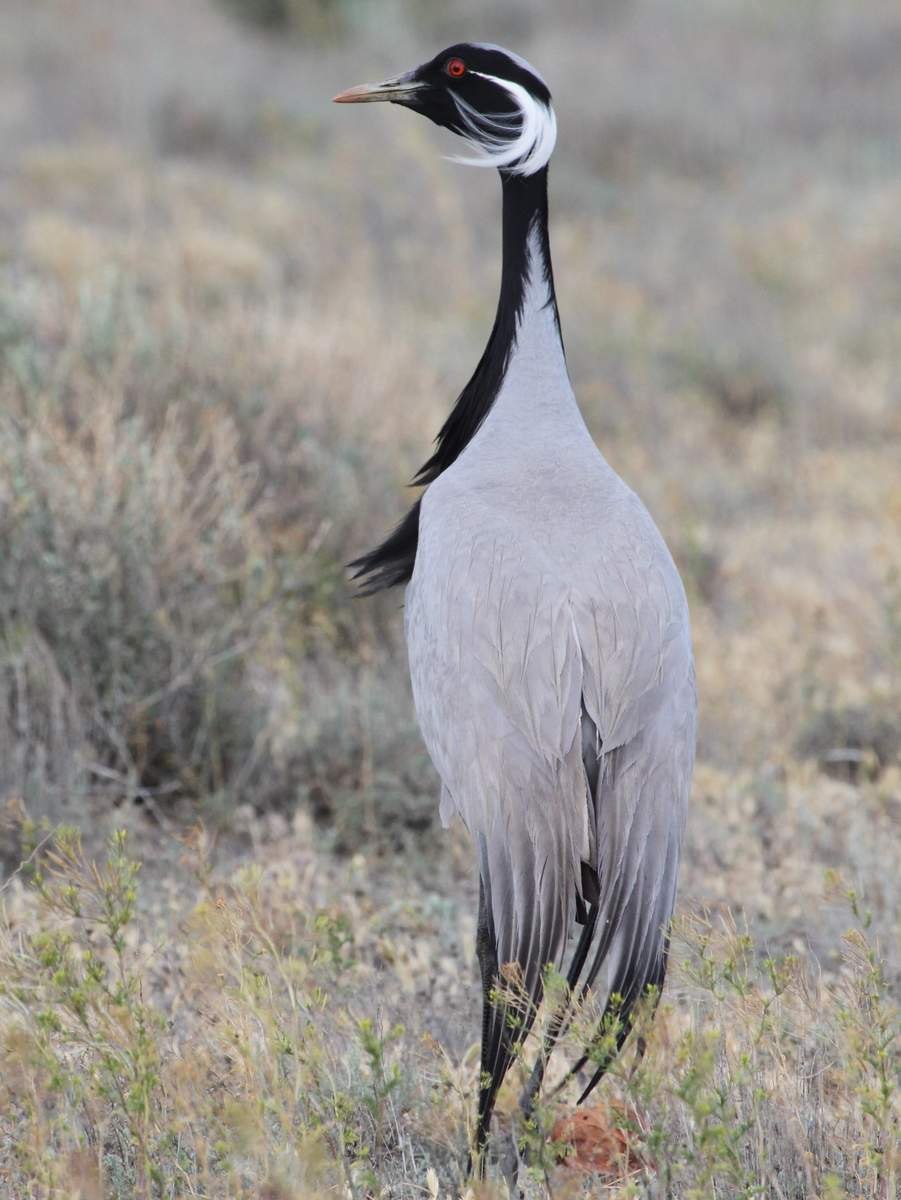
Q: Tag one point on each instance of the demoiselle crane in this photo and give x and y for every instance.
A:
(546, 624)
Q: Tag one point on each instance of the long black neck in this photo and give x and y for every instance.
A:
(525, 212)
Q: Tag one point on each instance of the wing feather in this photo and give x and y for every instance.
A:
(558, 708)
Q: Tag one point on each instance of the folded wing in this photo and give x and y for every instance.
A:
(512, 669)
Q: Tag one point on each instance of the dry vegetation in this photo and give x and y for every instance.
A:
(230, 322)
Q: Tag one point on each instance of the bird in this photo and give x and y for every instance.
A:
(547, 630)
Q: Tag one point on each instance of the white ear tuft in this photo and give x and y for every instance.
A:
(520, 142)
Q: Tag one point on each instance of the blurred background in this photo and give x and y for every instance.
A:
(232, 317)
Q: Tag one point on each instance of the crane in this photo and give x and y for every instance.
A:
(547, 627)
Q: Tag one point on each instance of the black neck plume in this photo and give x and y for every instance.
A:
(524, 210)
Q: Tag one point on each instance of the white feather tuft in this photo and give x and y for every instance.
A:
(521, 143)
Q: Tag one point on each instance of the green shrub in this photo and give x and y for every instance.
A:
(134, 587)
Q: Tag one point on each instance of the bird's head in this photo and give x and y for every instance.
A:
(489, 96)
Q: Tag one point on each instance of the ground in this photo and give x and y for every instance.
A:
(232, 317)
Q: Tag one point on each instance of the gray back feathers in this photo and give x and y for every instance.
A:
(550, 656)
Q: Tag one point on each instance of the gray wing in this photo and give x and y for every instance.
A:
(641, 801)
(512, 668)
(497, 678)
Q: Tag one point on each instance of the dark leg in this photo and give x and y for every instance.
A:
(530, 1091)
(492, 1034)
(559, 1023)
(488, 968)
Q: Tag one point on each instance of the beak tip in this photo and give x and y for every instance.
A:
(365, 93)
(359, 94)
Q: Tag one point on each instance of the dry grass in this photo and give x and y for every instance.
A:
(246, 1038)
(225, 342)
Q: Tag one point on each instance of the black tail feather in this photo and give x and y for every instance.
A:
(619, 1013)
(391, 563)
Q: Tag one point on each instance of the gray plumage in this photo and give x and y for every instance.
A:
(546, 624)
(548, 638)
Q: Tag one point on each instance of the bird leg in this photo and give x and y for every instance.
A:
(488, 966)
(509, 1164)
(530, 1091)
(560, 1020)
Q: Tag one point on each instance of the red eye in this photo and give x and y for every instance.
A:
(455, 67)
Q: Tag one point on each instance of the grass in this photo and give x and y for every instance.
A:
(239, 958)
(256, 1054)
